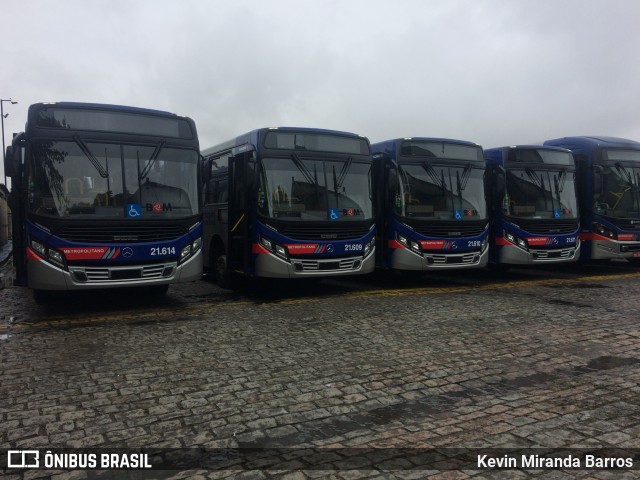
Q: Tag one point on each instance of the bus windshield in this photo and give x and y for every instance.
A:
(78, 178)
(540, 193)
(443, 192)
(619, 196)
(299, 189)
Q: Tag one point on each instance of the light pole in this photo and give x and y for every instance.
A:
(2, 117)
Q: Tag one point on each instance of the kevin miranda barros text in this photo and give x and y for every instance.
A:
(569, 461)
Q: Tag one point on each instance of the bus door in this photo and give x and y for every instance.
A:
(242, 171)
(14, 168)
(387, 190)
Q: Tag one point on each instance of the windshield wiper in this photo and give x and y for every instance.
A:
(94, 161)
(335, 186)
(558, 184)
(344, 171)
(466, 174)
(537, 181)
(301, 167)
(152, 160)
(434, 176)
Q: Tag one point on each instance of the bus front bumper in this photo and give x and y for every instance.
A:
(42, 275)
(512, 255)
(404, 259)
(612, 249)
(271, 266)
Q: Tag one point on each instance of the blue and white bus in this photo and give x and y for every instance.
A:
(288, 203)
(609, 194)
(533, 205)
(431, 204)
(104, 196)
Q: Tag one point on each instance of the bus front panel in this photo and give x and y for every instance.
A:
(321, 254)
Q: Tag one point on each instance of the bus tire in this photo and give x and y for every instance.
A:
(158, 290)
(220, 268)
(43, 297)
(499, 267)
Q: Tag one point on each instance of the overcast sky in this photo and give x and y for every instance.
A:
(494, 72)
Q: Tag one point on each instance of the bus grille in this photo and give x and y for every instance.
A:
(544, 255)
(465, 259)
(115, 274)
(344, 264)
(546, 226)
(340, 231)
(121, 233)
(449, 229)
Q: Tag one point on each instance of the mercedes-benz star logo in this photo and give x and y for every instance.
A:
(127, 252)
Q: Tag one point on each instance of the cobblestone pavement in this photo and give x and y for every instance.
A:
(545, 358)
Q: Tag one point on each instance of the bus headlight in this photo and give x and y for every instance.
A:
(39, 248)
(276, 248)
(266, 243)
(604, 231)
(195, 246)
(47, 253)
(369, 246)
(189, 250)
(409, 243)
(56, 257)
(517, 241)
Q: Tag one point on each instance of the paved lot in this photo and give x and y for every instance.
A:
(532, 358)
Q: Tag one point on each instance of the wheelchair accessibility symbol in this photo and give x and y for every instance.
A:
(457, 214)
(334, 214)
(134, 210)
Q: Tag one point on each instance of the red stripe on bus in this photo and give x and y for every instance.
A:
(259, 249)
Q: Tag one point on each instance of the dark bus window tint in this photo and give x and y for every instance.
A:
(105, 121)
(316, 142)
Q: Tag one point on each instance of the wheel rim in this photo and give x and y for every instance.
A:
(221, 266)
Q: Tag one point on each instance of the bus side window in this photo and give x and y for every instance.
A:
(211, 191)
(222, 191)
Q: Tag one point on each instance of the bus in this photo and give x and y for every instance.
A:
(532, 205)
(608, 171)
(104, 196)
(288, 203)
(431, 205)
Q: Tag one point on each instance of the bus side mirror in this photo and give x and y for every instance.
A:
(499, 174)
(597, 178)
(9, 162)
(392, 178)
(205, 170)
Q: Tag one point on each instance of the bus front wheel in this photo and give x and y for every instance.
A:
(44, 297)
(221, 270)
